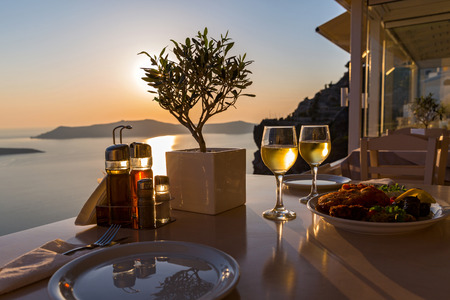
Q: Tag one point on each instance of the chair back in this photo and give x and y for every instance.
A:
(371, 148)
(434, 132)
(443, 136)
(404, 130)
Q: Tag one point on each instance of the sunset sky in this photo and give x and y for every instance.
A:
(75, 63)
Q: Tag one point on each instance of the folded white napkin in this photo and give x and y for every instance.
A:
(87, 214)
(379, 181)
(35, 265)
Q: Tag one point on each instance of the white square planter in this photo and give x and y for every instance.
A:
(208, 183)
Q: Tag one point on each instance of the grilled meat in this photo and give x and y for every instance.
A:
(352, 201)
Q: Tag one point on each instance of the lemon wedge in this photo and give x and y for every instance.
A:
(423, 196)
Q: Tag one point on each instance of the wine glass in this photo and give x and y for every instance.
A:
(315, 146)
(279, 152)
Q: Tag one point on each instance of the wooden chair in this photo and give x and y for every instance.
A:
(443, 136)
(404, 130)
(399, 142)
(434, 132)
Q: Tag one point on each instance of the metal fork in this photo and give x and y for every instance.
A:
(103, 241)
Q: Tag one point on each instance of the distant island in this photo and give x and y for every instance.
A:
(10, 151)
(142, 128)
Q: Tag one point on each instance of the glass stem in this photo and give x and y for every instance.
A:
(314, 170)
(279, 178)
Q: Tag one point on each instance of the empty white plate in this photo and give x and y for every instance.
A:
(147, 270)
(324, 181)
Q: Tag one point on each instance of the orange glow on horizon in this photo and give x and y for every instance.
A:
(160, 145)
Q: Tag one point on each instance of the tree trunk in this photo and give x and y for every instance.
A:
(198, 136)
(201, 142)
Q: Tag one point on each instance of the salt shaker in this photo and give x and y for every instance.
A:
(146, 205)
(162, 199)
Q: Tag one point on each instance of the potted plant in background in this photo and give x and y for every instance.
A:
(205, 80)
(427, 109)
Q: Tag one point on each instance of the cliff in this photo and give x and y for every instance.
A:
(323, 109)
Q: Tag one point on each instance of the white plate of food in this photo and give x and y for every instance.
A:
(437, 213)
(324, 181)
(147, 270)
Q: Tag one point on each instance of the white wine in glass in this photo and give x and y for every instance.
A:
(314, 147)
(279, 152)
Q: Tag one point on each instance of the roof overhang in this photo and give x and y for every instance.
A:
(415, 25)
(337, 31)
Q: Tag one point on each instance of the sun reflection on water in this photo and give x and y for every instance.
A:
(160, 145)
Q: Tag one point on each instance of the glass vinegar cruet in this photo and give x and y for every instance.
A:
(140, 167)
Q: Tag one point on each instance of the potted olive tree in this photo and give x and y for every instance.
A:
(204, 79)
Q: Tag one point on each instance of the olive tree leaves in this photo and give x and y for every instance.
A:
(204, 73)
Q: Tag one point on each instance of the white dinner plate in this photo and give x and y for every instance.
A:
(324, 181)
(381, 228)
(147, 270)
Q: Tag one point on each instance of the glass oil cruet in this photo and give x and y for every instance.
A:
(117, 165)
(140, 167)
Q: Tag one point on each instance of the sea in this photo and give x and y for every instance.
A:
(53, 185)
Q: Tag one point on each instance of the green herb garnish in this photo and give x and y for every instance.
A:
(392, 188)
(387, 214)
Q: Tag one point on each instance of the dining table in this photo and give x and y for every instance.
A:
(305, 258)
